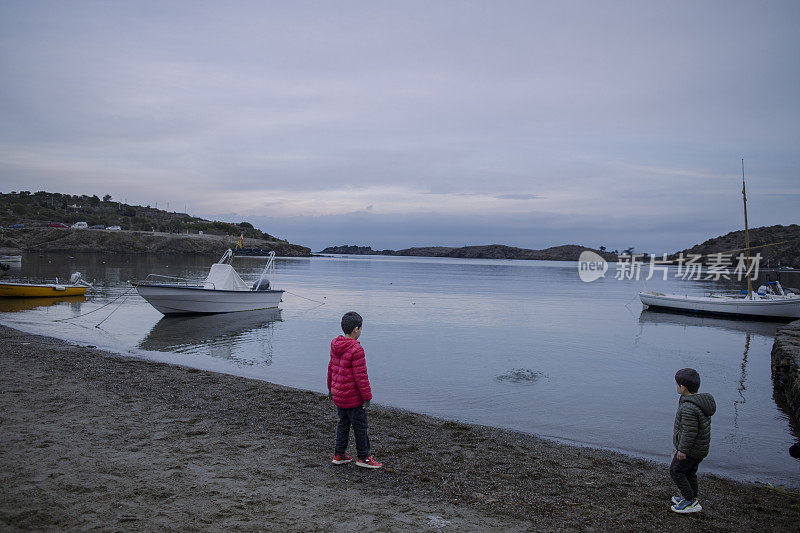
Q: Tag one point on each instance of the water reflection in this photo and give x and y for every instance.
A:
(9, 305)
(756, 327)
(742, 386)
(749, 328)
(220, 335)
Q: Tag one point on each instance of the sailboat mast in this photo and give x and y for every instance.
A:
(746, 238)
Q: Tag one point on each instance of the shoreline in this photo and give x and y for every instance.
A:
(39, 240)
(97, 439)
(175, 359)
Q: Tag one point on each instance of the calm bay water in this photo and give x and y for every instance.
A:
(517, 344)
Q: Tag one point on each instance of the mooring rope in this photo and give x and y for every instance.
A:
(304, 298)
(99, 308)
(111, 313)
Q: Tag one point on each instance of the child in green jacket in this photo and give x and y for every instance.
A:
(691, 436)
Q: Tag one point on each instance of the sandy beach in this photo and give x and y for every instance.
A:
(96, 440)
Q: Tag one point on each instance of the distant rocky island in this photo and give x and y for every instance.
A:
(785, 254)
(569, 252)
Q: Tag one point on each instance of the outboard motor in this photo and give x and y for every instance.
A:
(75, 278)
(261, 285)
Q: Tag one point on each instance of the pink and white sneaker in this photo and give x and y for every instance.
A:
(369, 462)
(341, 458)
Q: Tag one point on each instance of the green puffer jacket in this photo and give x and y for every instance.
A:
(692, 431)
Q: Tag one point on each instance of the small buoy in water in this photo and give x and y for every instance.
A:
(390, 283)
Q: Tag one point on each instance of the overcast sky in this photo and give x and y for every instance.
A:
(395, 124)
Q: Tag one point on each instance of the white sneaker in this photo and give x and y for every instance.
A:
(685, 506)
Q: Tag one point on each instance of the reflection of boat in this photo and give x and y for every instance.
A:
(8, 305)
(223, 291)
(769, 301)
(75, 287)
(173, 332)
(666, 316)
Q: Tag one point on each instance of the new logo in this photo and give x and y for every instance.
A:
(591, 266)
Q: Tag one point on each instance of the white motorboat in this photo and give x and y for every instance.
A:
(10, 259)
(770, 301)
(222, 291)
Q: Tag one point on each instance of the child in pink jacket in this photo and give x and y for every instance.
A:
(348, 386)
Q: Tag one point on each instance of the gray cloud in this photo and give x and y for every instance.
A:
(518, 196)
(612, 111)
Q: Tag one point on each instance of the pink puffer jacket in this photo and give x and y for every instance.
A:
(347, 373)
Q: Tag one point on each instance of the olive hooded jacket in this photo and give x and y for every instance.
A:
(692, 431)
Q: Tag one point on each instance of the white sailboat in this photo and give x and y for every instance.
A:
(222, 291)
(770, 301)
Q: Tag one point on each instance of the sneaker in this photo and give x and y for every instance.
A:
(687, 506)
(676, 500)
(341, 458)
(369, 462)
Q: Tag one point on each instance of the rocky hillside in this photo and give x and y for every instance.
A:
(145, 229)
(41, 208)
(785, 254)
(569, 252)
(45, 239)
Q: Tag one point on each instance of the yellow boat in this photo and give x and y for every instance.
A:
(75, 287)
(35, 290)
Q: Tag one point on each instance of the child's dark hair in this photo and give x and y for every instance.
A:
(351, 321)
(689, 378)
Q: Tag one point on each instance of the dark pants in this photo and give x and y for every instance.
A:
(356, 417)
(684, 474)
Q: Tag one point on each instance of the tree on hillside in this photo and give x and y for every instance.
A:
(107, 198)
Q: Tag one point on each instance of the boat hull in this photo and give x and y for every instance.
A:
(181, 300)
(21, 290)
(771, 308)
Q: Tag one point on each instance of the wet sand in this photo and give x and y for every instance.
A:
(92, 439)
